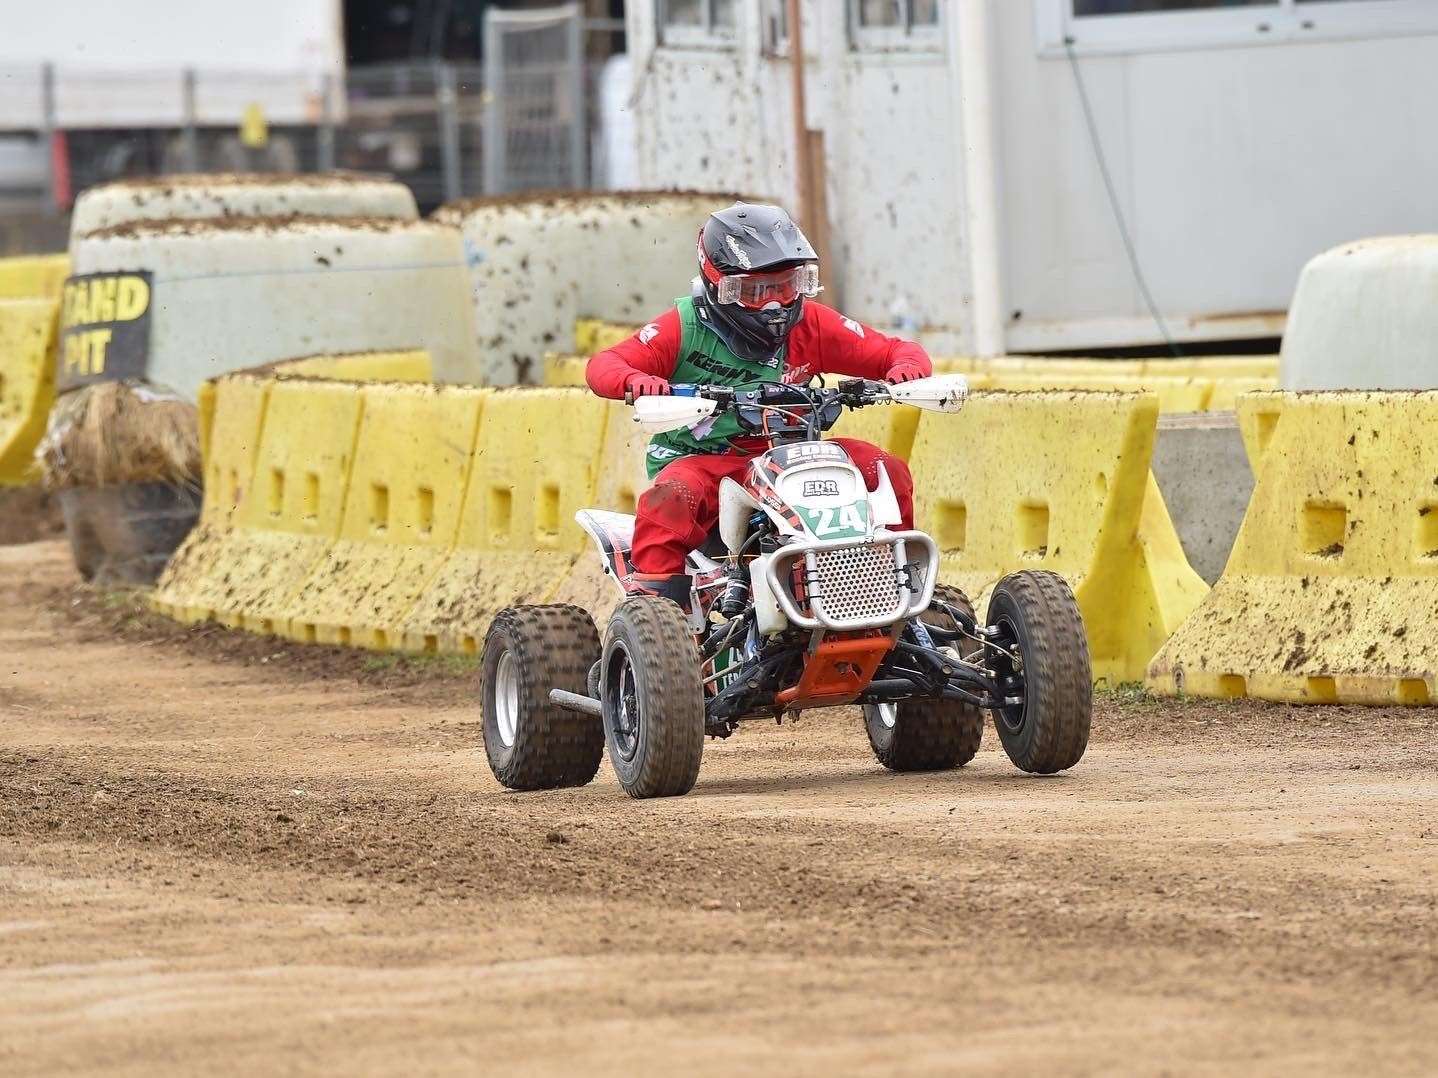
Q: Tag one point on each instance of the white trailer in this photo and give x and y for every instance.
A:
(965, 190)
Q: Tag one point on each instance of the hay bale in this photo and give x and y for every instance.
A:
(121, 432)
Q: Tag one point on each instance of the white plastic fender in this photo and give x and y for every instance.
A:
(768, 616)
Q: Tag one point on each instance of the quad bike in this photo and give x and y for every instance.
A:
(811, 598)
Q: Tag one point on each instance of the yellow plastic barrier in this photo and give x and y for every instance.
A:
(1262, 368)
(232, 414)
(890, 427)
(401, 512)
(1209, 383)
(564, 370)
(1257, 420)
(1226, 391)
(27, 382)
(621, 479)
(1175, 393)
(243, 569)
(594, 335)
(33, 277)
(535, 465)
(1060, 481)
(1330, 592)
(414, 365)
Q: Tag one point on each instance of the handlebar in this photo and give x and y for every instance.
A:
(852, 392)
(780, 408)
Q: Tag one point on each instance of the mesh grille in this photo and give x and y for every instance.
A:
(858, 582)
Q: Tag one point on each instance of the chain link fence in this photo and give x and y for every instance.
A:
(525, 120)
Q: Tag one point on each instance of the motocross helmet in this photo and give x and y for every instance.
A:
(756, 268)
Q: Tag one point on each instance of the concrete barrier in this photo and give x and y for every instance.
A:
(1330, 592)
(211, 196)
(1363, 317)
(1059, 481)
(539, 263)
(227, 295)
(1203, 474)
(27, 383)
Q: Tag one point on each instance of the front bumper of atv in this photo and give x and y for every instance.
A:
(845, 584)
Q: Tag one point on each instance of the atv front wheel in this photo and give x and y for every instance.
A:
(1038, 619)
(928, 735)
(531, 744)
(653, 698)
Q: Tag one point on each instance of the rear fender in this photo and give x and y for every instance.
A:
(613, 534)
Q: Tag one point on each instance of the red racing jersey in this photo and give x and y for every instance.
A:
(823, 342)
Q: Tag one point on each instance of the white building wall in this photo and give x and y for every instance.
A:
(1234, 165)
(719, 118)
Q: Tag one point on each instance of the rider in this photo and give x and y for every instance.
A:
(750, 318)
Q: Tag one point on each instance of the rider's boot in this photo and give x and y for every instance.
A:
(676, 586)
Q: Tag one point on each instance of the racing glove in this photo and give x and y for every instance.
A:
(645, 385)
(903, 372)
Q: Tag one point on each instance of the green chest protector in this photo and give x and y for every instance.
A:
(704, 359)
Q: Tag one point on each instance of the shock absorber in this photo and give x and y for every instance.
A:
(736, 593)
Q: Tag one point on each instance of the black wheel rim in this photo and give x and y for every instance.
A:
(1010, 677)
(621, 703)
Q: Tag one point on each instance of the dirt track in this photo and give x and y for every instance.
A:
(219, 853)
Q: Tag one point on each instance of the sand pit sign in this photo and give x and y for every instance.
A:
(104, 327)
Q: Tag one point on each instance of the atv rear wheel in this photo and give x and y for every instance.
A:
(653, 698)
(1036, 615)
(928, 735)
(530, 743)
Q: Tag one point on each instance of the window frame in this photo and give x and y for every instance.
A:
(906, 38)
(709, 36)
(1287, 22)
(774, 28)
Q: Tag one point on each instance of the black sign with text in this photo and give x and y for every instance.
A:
(104, 328)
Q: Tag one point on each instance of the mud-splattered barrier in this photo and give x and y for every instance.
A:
(211, 196)
(225, 295)
(405, 517)
(27, 382)
(1330, 592)
(539, 262)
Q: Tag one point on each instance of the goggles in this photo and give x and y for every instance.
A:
(757, 290)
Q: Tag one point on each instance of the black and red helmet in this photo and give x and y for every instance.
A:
(756, 269)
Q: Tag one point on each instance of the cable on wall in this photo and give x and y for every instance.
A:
(1123, 232)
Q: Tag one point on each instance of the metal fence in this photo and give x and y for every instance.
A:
(525, 120)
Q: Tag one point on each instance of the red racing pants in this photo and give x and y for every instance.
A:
(679, 511)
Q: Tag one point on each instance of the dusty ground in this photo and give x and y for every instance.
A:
(223, 854)
(28, 514)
